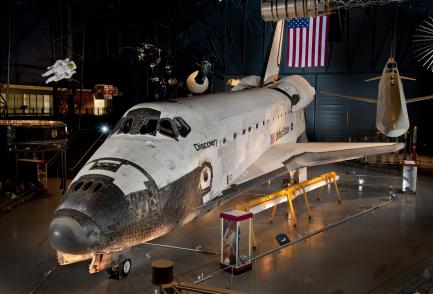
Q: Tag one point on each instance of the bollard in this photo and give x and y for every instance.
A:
(162, 271)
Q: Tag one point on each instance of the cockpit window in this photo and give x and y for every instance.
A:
(134, 120)
(391, 66)
(166, 128)
(182, 126)
(127, 125)
(116, 127)
(147, 121)
(149, 127)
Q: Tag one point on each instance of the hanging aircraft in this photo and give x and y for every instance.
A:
(167, 163)
(392, 119)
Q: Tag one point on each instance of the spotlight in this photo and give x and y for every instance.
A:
(361, 181)
(104, 129)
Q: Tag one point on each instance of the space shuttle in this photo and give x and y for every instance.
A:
(166, 163)
(392, 118)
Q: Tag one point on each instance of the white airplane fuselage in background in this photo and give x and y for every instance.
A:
(392, 119)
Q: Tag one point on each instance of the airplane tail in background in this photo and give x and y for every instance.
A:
(271, 66)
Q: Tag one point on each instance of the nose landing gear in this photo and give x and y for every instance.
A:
(117, 264)
(120, 271)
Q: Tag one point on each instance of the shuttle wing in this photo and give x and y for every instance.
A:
(285, 157)
(358, 98)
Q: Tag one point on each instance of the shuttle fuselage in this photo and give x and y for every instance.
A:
(166, 163)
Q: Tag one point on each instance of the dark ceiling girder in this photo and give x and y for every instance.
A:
(358, 40)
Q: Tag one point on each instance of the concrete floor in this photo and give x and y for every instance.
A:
(373, 253)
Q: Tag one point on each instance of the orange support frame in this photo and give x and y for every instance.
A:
(291, 192)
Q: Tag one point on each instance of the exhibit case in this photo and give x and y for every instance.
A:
(236, 242)
(410, 171)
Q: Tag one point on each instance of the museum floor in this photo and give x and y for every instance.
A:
(377, 252)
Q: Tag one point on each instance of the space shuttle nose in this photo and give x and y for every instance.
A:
(68, 235)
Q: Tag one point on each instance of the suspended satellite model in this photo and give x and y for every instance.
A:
(198, 82)
(423, 44)
(61, 69)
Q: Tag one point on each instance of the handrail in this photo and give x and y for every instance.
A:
(87, 152)
(54, 158)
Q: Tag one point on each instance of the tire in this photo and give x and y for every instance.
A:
(120, 271)
(125, 268)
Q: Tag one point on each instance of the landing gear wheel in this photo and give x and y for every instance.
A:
(126, 267)
(120, 271)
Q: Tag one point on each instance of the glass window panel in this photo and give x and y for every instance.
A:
(166, 128)
(182, 126)
(11, 101)
(50, 107)
(127, 126)
(25, 104)
(149, 127)
(32, 103)
(47, 103)
(40, 103)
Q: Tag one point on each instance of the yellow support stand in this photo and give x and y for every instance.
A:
(338, 191)
(290, 192)
(274, 210)
(292, 210)
(310, 215)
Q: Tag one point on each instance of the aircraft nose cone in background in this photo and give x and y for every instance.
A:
(68, 235)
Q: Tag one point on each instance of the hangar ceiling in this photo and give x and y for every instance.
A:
(228, 32)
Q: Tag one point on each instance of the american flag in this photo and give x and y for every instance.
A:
(307, 41)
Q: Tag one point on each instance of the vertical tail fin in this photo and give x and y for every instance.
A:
(271, 67)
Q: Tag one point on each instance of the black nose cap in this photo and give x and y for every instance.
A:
(68, 236)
